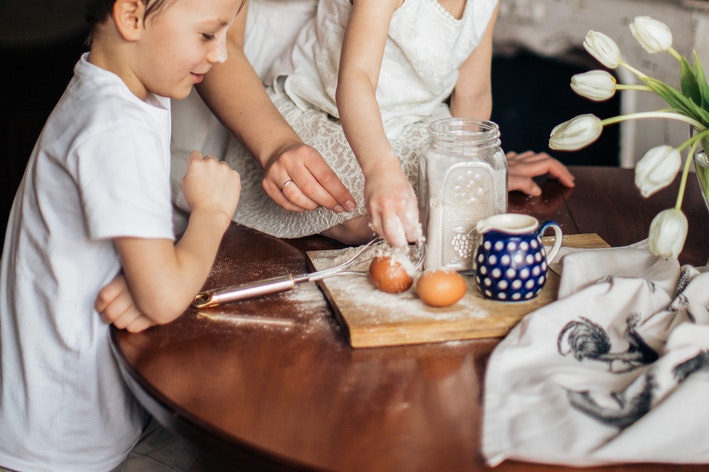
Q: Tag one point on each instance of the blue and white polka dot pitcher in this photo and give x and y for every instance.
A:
(511, 263)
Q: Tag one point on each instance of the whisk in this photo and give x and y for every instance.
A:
(219, 296)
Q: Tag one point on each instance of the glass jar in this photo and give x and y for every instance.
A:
(462, 179)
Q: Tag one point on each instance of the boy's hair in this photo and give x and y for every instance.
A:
(98, 11)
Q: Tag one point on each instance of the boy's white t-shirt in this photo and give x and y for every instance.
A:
(99, 170)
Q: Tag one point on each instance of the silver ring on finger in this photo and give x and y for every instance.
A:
(287, 182)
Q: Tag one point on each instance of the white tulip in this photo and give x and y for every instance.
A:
(657, 169)
(668, 231)
(595, 85)
(603, 48)
(576, 133)
(653, 35)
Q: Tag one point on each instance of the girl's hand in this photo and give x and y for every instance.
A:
(392, 204)
(523, 167)
(115, 305)
(299, 179)
(211, 185)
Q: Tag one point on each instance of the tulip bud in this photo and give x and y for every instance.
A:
(603, 48)
(657, 169)
(668, 231)
(595, 85)
(653, 35)
(576, 133)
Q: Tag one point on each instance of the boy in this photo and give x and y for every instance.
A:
(95, 199)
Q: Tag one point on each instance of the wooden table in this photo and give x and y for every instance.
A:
(275, 397)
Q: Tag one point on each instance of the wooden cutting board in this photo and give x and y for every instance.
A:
(371, 318)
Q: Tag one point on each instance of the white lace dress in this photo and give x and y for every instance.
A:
(424, 50)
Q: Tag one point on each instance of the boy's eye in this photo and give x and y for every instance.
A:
(207, 36)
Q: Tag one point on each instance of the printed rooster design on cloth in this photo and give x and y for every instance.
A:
(587, 340)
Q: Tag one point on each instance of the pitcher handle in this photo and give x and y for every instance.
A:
(558, 238)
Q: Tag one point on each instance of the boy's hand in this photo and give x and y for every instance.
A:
(211, 185)
(115, 305)
(522, 167)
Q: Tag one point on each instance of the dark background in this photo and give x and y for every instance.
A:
(531, 95)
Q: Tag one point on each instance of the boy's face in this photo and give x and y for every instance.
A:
(181, 43)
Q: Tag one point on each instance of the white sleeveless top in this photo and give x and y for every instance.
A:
(425, 48)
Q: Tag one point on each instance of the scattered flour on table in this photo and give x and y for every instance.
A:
(308, 310)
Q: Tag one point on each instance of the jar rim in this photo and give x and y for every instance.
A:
(455, 134)
(464, 126)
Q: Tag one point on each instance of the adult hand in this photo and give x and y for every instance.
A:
(299, 179)
(521, 168)
(115, 305)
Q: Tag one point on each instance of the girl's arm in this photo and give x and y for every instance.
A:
(472, 97)
(389, 198)
(235, 94)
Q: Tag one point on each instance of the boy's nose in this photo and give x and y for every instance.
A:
(218, 54)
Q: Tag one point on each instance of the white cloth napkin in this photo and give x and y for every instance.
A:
(615, 371)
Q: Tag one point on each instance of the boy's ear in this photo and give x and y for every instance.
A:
(129, 15)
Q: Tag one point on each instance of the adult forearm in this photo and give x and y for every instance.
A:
(235, 94)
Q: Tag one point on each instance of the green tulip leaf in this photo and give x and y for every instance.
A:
(677, 101)
(701, 81)
(688, 82)
(672, 96)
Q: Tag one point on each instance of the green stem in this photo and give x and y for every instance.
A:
(694, 139)
(685, 173)
(643, 88)
(652, 114)
(674, 52)
(633, 69)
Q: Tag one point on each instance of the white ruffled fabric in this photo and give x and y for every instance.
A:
(615, 371)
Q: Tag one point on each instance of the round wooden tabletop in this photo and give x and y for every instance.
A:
(272, 383)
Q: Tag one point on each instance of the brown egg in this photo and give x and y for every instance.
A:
(440, 287)
(389, 275)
